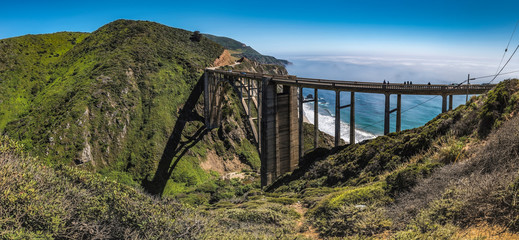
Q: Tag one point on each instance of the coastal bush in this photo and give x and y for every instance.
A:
(406, 178)
(500, 102)
(39, 201)
(255, 221)
(354, 210)
(354, 220)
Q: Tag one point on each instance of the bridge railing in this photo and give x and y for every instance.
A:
(362, 86)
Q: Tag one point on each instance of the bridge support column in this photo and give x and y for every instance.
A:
(337, 117)
(268, 132)
(386, 114)
(316, 119)
(213, 101)
(352, 118)
(450, 102)
(398, 112)
(294, 127)
(444, 103)
(206, 98)
(279, 131)
(249, 98)
(300, 123)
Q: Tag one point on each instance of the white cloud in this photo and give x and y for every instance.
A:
(391, 68)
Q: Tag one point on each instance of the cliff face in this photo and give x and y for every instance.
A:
(247, 65)
(224, 59)
(240, 50)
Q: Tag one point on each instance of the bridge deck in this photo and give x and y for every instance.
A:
(368, 87)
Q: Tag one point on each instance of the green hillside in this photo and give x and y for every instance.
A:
(240, 50)
(111, 101)
(27, 66)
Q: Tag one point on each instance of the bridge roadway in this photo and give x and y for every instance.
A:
(278, 104)
(367, 87)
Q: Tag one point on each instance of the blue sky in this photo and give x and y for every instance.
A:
(471, 29)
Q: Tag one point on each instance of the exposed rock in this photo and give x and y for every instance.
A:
(86, 155)
(223, 60)
(216, 163)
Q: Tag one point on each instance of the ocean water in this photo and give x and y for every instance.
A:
(369, 108)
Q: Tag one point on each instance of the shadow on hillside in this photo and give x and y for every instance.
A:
(305, 164)
(175, 148)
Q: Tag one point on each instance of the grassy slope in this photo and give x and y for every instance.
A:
(45, 202)
(26, 67)
(111, 99)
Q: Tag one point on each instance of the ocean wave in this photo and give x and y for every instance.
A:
(327, 125)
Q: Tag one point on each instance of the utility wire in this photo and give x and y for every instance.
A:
(505, 64)
(498, 71)
(488, 76)
(506, 49)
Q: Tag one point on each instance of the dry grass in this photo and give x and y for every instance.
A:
(485, 231)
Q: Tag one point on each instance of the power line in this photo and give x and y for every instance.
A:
(488, 76)
(498, 71)
(419, 104)
(505, 64)
(506, 49)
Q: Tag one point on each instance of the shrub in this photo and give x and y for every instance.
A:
(404, 179)
(351, 219)
(39, 201)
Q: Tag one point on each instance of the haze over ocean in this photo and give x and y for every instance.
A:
(416, 109)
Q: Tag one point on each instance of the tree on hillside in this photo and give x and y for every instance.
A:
(196, 37)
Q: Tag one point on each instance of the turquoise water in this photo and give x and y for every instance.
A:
(416, 109)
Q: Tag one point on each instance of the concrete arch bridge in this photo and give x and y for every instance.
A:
(274, 106)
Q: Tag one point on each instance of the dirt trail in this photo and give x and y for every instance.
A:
(309, 231)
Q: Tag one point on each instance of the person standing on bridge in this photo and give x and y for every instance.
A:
(384, 81)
